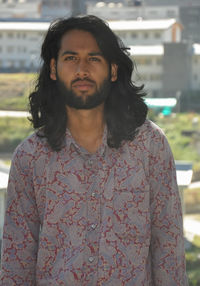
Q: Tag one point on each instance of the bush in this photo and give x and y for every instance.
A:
(12, 132)
(14, 91)
(193, 262)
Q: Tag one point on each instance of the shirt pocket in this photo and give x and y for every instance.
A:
(131, 218)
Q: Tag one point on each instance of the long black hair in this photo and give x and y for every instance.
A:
(125, 109)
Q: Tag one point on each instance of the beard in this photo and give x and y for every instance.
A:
(91, 101)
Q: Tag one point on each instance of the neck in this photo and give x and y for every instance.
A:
(86, 126)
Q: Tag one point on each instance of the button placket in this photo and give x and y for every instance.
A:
(93, 226)
(91, 259)
(94, 195)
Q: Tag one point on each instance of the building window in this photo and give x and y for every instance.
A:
(10, 49)
(134, 35)
(40, 34)
(22, 63)
(115, 13)
(153, 13)
(11, 63)
(158, 61)
(146, 35)
(10, 35)
(148, 61)
(171, 14)
(157, 35)
(33, 39)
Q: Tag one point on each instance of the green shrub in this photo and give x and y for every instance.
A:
(12, 132)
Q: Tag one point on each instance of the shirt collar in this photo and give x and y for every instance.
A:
(71, 144)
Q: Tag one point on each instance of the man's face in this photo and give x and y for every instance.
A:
(82, 73)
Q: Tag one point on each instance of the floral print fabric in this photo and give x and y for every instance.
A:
(112, 218)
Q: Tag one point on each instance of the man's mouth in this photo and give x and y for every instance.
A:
(83, 85)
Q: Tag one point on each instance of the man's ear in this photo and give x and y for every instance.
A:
(114, 69)
(53, 69)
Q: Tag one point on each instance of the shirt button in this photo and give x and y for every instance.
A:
(93, 226)
(91, 259)
(90, 163)
(93, 195)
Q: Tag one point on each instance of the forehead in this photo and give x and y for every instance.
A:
(77, 40)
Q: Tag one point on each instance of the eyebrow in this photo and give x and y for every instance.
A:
(75, 53)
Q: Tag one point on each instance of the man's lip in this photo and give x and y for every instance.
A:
(82, 85)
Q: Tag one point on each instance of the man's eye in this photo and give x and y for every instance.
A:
(70, 58)
(94, 59)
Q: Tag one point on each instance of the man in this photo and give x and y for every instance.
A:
(92, 195)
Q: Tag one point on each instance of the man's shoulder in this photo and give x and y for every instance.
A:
(32, 145)
(149, 130)
(149, 139)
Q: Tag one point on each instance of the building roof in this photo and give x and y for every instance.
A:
(114, 25)
(155, 50)
(24, 26)
(141, 25)
(147, 50)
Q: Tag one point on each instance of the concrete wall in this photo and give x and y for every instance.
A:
(177, 68)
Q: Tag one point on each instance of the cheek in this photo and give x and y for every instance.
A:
(65, 73)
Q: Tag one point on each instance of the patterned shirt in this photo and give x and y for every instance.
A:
(112, 218)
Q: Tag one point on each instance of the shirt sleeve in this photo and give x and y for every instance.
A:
(21, 226)
(167, 241)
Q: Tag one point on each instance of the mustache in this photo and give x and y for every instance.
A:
(82, 79)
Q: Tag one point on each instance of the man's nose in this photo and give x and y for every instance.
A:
(82, 69)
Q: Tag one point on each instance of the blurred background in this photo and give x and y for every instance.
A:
(163, 37)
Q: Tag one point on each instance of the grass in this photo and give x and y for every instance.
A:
(193, 262)
(192, 201)
(192, 207)
(12, 132)
(184, 147)
(14, 91)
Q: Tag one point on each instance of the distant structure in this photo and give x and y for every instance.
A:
(78, 7)
(165, 64)
(187, 12)
(41, 9)
(164, 40)
(20, 9)
(120, 11)
(51, 9)
(190, 19)
(147, 32)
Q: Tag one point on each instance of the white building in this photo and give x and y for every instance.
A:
(20, 9)
(147, 32)
(149, 67)
(115, 11)
(20, 42)
(20, 45)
